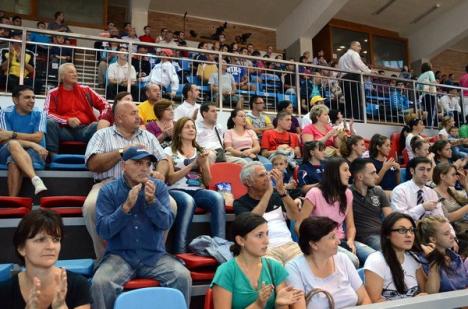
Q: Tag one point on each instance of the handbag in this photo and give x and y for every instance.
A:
(315, 291)
(220, 153)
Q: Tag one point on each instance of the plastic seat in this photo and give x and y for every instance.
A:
(36, 166)
(404, 153)
(140, 283)
(150, 298)
(230, 173)
(202, 268)
(66, 206)
(289, 97)
(72, 147)
(83, 267)
(5, 271)
(394, 141)
(209, 299)
(361, 274)
(15, 207)
(68, 162)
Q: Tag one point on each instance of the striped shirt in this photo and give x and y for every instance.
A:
(109, 139)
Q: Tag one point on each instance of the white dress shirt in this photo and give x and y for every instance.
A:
(119, 73)
(164, 74)
(405, 197)
(351, 61)
(206, 136)
(186, 109)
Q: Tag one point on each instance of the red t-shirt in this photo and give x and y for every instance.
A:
(271, 139)
(317, 135)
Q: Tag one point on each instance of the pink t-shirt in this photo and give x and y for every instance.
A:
(240, 142)
(317, 135)
(464, 83)
(323, 209)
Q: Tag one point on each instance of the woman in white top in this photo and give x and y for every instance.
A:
(428, 93)
(239, 141)
(413, 128)
(394, 273)
(188, 177)
(323, 268)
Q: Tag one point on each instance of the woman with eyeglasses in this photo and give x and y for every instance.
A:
(37, 241)
(250, 280)
(443, 267)
(163, 126)
(394, 273)
(188, 177)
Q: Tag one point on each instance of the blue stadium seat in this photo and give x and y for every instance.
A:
(68, 162)
(36, 166)
(83, 267)
(145, 299)
(361, 274)
(193, 79)
(290, 97)
(5, 271)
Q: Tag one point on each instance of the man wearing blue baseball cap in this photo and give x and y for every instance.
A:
(132, 213)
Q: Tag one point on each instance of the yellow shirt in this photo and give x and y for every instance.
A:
(204, 71)
(146, 112)
(15, 65)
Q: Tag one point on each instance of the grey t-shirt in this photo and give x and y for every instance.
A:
(367, 211)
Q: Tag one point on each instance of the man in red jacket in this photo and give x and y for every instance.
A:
(70, 110)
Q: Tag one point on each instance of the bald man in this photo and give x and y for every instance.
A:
(104, 157)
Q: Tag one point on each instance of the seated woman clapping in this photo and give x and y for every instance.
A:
(323, 269)
(37, 242)
(250, 280)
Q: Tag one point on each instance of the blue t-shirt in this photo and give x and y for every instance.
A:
(309, 174)
(237, 72)
(388, 181)
(34, 122)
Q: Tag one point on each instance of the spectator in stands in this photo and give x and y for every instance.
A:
(225, 85)
(394, 273)
(164, 74)
(352, 148)
(280, 140)
(168, 40)
(442, 150)
(147, 36)
(59, 54)
(106, 57)
(399, 102)
(446, 123)
(238, 140)
(289, 79)
(146, 109)
(41, 284)
(388, 170)
(141, 63)
(59, 23)
(163, 125)
(70, 109)
(405, 73)
(332, 198)
(188, 177)
(450, 105)
(351, 61)
(443, 267)
(11, 65)
(320, 129)
(312, 167)
(22, 128)
(271, 203)
(104, 157)
(126, 29)
(39, 37)
(413, 197)
(323, 267)
(458, 144)
(17, 21)
(119, 75)
(230, 287)
(132, 37)
(288, 107)
(413, 128)
(241, 76)
(132, 213)
(189, 108)
(162, 34)
(337, 121)
(206, 69)
(428, 94)
(464, 84)
(370, 204)
(256, 119)
(421, 148)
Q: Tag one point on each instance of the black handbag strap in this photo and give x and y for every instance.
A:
(219, 138)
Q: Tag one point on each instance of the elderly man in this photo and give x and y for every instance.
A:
(263, 200)
(164, 73)
(132, 214)
(104, 157)
(70, 108)
(22, 129)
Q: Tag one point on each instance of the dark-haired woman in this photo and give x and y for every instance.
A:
(323, 267)
(394, 273)
(388, 170)
(352, 147)
(442, 150)
(413, 128)
(163, 126)
(188, 177)
(332, 199)
(443, 267)
(37, 241)
(249, 280)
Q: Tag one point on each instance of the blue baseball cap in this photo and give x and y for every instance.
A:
(135, 153)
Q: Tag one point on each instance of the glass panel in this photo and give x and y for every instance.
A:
(389, 53)
(80, 11)
(341, 38)
(17, 6)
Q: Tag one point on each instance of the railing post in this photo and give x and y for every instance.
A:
(129, 65)
(416, 105)
(23, 56)
(220, 90)
(363, 98)
(298, 88)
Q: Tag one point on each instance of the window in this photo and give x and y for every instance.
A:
(341, 38)
(17, 6)
(79, 11)
(389, 53)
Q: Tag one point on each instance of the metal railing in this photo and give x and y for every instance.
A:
(363, 97)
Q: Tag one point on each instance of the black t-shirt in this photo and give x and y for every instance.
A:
(77, 292)
(388, 181)
(247, 204)
(367, 211)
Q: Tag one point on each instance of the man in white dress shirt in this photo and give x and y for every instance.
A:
(189, 108)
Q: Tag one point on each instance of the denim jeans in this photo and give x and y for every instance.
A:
(187, 201)
(372, 241)
(113, 272)
(362, 250)
(56, 133)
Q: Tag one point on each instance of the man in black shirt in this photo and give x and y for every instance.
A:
(370, 204)
(272, 204)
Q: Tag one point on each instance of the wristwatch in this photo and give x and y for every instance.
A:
(121, 151)
(14, 135)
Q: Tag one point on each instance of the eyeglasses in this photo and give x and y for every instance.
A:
(403, 230)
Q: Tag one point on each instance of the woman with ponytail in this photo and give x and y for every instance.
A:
(352, 147)
(443, 267)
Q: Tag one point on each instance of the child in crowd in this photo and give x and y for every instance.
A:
(459, 149)
(311, 170)
(280, 162)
